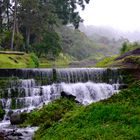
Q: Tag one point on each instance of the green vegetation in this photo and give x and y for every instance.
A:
(51, 113)
(2, 112)
(80, 46)
(106, 62)
(128, 57)
(127, 46)
(37, 34)
(116, 118)
(18, 61)
(132, 59)
(61, 61)
(126, 62)
(35, 60)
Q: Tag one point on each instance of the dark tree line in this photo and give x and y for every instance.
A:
(29, 25)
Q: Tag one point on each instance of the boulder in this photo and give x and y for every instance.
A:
(17, 118)
(69, 96)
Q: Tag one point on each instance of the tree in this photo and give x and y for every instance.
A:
(14, 24)
(50, 45)
(1, 6)
(33, 18)
(66, 10)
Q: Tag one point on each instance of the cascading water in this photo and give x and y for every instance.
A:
(31, 88)
(87, 84)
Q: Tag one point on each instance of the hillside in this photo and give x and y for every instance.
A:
(110, 32)
(80, 46)
(130, 59)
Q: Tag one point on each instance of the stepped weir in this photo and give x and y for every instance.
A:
(31, 88)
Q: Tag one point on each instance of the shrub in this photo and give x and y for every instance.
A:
(35, 59)
(127, 46)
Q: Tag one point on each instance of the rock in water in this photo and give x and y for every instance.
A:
(69, 96)
(17, 118)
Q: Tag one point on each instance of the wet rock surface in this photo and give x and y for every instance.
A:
(12, 132)
(69, 96)
(17, 118)
(10, 135)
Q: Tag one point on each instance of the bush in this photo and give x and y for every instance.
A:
(127, 46)
(50, 113)
(35, 60)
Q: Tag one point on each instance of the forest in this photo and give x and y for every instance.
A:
(30, 26)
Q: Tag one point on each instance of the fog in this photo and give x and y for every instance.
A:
(120, 16)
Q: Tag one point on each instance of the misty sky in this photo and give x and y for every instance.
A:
(120, 14)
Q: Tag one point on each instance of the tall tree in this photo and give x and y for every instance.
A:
(1, 5)
(14, 24)
(67, 10)
(34, 17)
(7, 6)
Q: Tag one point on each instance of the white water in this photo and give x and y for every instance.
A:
(35, 96)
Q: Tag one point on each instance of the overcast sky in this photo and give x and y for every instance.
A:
(120, 14)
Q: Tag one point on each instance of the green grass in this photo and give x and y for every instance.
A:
(117, 118)
(61, 61)
(106, 62)
(126, 62)
(50, 113)
(16, 61)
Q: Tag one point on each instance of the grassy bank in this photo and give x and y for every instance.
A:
(131, 61)
(116, 118)
(13, 60)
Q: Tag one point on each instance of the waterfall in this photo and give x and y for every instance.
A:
(31, 88)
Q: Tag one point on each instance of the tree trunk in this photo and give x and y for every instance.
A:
(0, 16)
(14, 26)
(8, 18)
(27, 37)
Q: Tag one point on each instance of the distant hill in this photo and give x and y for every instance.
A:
(81, 45)
(110, 32)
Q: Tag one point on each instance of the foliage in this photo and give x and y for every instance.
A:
(35, 60)
(126, 62)
(127, 46)
(49, 45)
(28, 20)
(5, 39)
(115, 118)
(106, 62)
(67, 10)
(61, 61)
(2, 112)
(18, 41)
(50, 113)
(76, 43)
